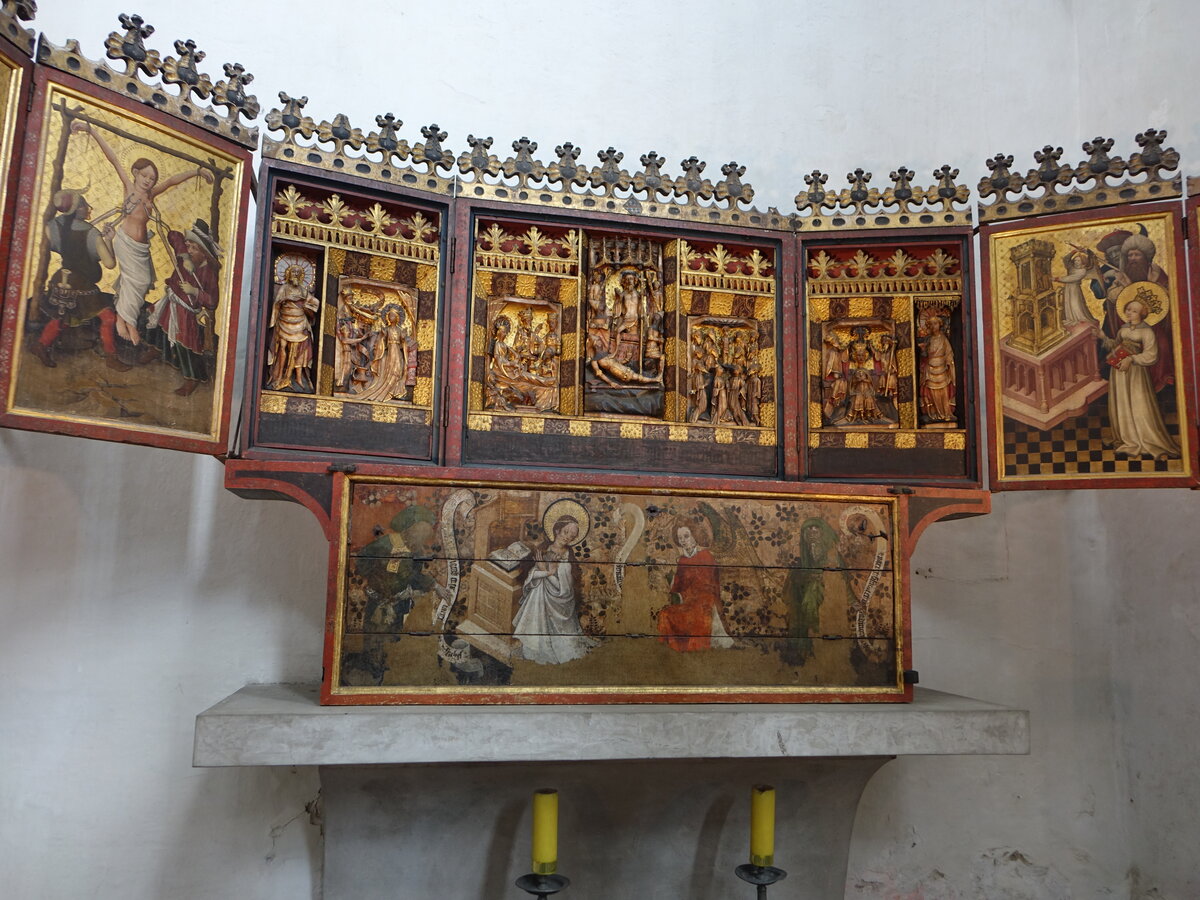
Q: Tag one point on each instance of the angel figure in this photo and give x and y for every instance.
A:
(1080, 264)
(393, 362)
(832, 377)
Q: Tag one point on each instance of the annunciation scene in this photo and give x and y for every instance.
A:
(581, 336)
(886, 366)
(129, 279)
(1087, 351)
(348, 322)
(457, 588)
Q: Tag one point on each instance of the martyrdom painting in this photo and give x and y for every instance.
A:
(1087, 353)
(449, 589)
(129, 268)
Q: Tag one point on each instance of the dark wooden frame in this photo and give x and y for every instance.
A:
(1186, 333)
(24, 220)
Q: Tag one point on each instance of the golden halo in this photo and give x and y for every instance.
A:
(1153, 296)
(564, 506)
(287, 260)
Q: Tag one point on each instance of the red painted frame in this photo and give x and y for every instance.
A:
(23, 220)
(24, 63)
(1187, 350)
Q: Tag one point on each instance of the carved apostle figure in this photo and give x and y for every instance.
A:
(938, 374)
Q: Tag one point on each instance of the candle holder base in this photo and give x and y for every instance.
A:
(761, 876)
(542, 886)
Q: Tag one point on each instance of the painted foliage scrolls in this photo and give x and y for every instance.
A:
(499, 591)
(1089, 343)
(121, 304)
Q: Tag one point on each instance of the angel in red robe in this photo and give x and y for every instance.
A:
(693, 619)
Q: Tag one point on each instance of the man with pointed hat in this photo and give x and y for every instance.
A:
(180, 328)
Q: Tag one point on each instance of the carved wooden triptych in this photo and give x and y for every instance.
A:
(576, 432)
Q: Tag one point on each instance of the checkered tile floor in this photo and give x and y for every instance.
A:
(1077, 446)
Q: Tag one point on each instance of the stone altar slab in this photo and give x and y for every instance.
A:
(283, 725)
(654, 800)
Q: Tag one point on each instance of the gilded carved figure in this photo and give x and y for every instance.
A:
(624, 328)
(375, 352)
(938, 375)
(724, 378)
(392, 370)
(859, 375)
(522, 363)
(290, 357)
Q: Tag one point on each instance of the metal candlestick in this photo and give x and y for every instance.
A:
(761, 876)
(542, 886)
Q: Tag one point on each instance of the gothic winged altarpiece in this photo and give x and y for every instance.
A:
(125, 254)
(1087, 321)
(580, 431)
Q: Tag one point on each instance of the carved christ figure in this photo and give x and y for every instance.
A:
(291, 353)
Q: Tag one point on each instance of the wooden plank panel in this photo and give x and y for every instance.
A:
(551, 587)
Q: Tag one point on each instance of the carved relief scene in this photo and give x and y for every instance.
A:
(525, 338)
(724, 378)
(128, 271)
(523, 355)
(349, 319)
(375, 345)
(625, 327)
(582, 337)
(860, 380)
(1086, 348)
(512, 587)
(885, 340)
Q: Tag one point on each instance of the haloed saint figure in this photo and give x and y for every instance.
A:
(126, 294)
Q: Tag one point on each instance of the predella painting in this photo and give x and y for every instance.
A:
(128, 273)
(457, 588)
(1087, 354)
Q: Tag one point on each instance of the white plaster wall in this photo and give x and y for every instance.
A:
(136, 591)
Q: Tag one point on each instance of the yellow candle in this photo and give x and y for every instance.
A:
(545, 832)
(762, 825)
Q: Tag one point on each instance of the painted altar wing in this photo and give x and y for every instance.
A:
(1088, 326)
(121, 297)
